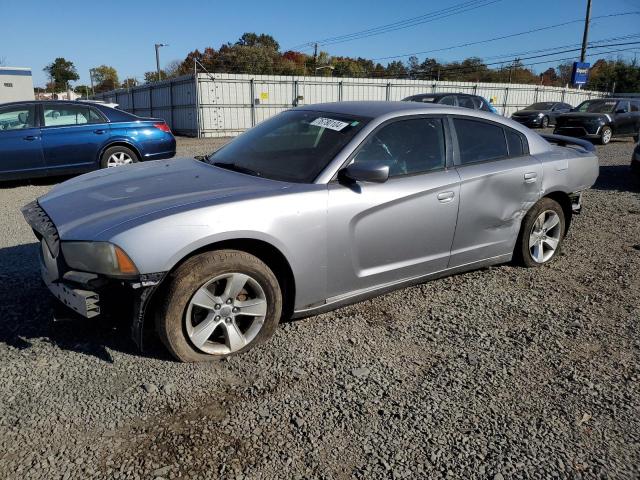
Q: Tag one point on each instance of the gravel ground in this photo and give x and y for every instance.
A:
(500, 373)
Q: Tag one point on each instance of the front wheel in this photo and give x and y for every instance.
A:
(541, 234)
(218, 304)
(605, 135)
(545, 122)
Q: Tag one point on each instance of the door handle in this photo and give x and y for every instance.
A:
(530, 177)
(99, 132)
(445, 197)
(30, 138)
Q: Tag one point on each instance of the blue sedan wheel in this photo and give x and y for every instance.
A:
(118, 156)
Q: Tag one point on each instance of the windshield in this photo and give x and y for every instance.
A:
(294, 146)
(596, 106)
(541, 106)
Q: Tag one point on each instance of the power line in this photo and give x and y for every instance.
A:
(402, 24)
(503, 37)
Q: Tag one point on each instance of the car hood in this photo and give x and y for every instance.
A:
(84, 207)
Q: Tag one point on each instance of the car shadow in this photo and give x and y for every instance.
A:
(38, 181)
(617, 178)
(29, 312)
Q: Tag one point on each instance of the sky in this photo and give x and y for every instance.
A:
(123, 33)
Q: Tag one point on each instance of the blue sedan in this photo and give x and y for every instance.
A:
(40, 138)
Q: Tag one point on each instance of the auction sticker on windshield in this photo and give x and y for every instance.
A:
(329, 123)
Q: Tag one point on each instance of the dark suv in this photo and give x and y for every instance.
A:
(541, 114)
(475, 102)
(602, 119)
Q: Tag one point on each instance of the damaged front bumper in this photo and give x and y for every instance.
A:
(89, 294)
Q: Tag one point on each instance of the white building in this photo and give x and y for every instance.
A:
(15, 84)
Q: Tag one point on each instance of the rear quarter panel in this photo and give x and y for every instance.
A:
(568, 170)
(149, 141)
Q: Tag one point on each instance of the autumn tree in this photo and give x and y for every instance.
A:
(61, 71)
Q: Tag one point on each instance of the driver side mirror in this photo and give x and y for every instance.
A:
(365, 172)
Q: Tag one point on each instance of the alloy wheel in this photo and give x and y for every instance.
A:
(226, 314)
(544, 237)
(118, 159)
(606, 135)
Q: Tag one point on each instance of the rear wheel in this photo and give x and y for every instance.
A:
(541, 234)
(118, 156)
(605, 135)
(219, 304)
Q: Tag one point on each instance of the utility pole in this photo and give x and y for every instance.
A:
(158, 45)
(585, 36)
(315, 57)
(93, 92)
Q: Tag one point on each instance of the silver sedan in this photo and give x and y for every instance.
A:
(315, 208)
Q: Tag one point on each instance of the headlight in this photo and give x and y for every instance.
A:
(540, 115)
(98, 257)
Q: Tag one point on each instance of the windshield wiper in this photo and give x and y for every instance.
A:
(237, 168)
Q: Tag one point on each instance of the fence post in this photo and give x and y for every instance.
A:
(504, 104)
(388, 92)
(564, 94)
(253, 102)
(151, 99)
(295, 93)
(133, 100)
(433, 87)
(340, 91)
(535, 98)
(171, 102)
(475, 89)
(197, 100)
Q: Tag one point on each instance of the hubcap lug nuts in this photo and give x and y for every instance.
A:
(228, 319)
(235, 310)
(229, 301)
(217, 307)
(217, 317)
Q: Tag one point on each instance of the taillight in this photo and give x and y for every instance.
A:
(162, 126)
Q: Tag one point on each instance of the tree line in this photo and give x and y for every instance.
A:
(260, 54)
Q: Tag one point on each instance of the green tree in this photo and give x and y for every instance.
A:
(83, 90)
(61, 71)
(250, 39)
(129, 83)
(105, 78)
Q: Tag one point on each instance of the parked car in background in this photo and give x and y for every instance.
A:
(40, 138)
(541, 114)
(602, 119)
(312, 209)
(465, 100)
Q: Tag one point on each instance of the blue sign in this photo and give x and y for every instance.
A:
(580, 73)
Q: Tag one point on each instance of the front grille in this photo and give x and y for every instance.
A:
(38, 219)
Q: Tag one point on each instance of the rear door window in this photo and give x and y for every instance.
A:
(635, 106)
(515, 143)
(480, 141)
(466, 102)
(448, 100)
(65, 115)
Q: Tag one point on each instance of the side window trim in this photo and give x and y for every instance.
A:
(448, 145)
(456, 148)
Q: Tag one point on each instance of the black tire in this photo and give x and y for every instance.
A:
(605, 135)
(522, 253)
(117, 149)
(636, 138)
(545, 122)
(193, 274)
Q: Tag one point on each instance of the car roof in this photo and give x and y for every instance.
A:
(377, 108)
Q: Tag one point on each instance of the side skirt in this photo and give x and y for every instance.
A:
(339, 301)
